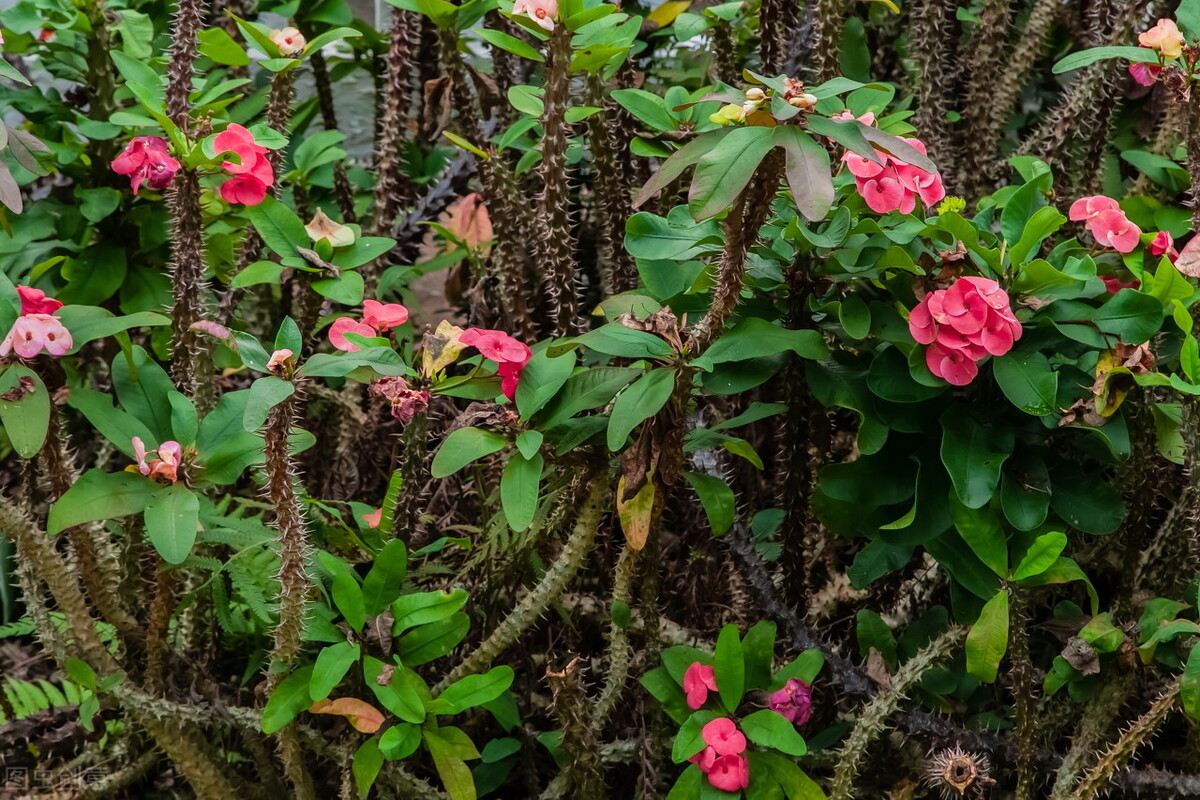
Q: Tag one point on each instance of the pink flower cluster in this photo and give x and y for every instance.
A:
(1105, 220)
(405, 402)
(510, 354)
(163, 469)
(722, 760)
(252, 175)
(963, 325)
(37, 328)
(698, 680)
(893, 185)
(793, 702)
(377, 317)
(146, 159)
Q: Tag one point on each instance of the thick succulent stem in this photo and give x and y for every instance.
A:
(985, 56)
(1022, 673)
(931, 38)
(619, 653)
(393, 190)
(615, 207)
(827, 20)
(1193, 152)
(583, 771)
(1117, 756)
(557, 242)
(181, 59)
(1095, 726)
(873, 719)
(534, 604)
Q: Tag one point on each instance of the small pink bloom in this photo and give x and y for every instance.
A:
(885, 194)
(893, 185)
(1164, 37)
(952, 366)
(730, 773)
(343, 325)
(1085, 208)
(34, 301)
(510, 355)
(704, 759)
(1113, 229)
(723, 736)
(139, 452)
(469, 222)
(793, 702)
(373, 519)
(1113, 284)
(698, 681)
(278, 359)
(244, 189)
(962, 325)
(866, 119)
(290, 41)
(238, 140)
(1163, 244)
(542, 12)
(163, 469)
(406, 403)
(146, 159)
(862, 167)
(384, 315)
(1145, 74)
(32, 333)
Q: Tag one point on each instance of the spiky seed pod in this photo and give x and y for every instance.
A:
(932, 36)
(557, 241)
(873, 719)
(342, 189)
(579, 738)
(617, 268)
(1118, 755)
(181, 58)
(955, 773)
(393, 190)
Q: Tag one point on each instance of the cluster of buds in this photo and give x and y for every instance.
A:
(797, 97)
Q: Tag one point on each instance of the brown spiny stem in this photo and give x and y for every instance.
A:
(181, 58)
(1023, 674)
(189, 356)
(827, 18)
(741, 230)
(510, 217)
(777, 19)
(279, 116)
(614, 207)
(166, 586)
(342, 189)
(393, 190)
(985, 59)
(724, 65)
(1192, 127)
(410, 500)
(557, 246)
(930, 44)
(101, 81)
(571, 706)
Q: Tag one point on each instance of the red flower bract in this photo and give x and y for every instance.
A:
(963, 325)
(146, 159)
(698, 681)
(891, 184)
(510, 354)
(252, 175)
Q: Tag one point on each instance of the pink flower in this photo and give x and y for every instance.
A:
(723, 736)
(510, 355)
(1085, 208)
(730, 773)
(406, 402)
(34, 301)
(963, 325)
(1164, 37)
(147, 159)
(1113, 229)
(866, 119)
(384, 315)
(1163, 244)
(1145, 74)
(541, 12)
(278, 359)
(139, 452)
(343, 325)
(373, 519)
(704, 759)
(290, 41)
(698, 681)
(32, 333)
(891, 184)
(252, 175)
(165, 468)
(1113, 284)
(793, 702)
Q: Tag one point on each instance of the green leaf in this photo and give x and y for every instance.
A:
(980, 528)
(397, 695)
(729, 665)
(332, 664)
(1064, 570)
(384, 582)
(726, 169)
(422, 608)
(172, 521)
(346, 288)
(1028, 381)
(432, 641)
(462, 447)
(1044, 551)
(519, 485)
(527, 99)
(755, 337)
(510, 43)
(143, 388)
(1019, 208)
(454, 772)
(717, 498)
(529, 442)
(475, 690)
(88, 323)
(279, 227)
(847, 133)
(289, 699)
(1044, 222)
(642, 400)
(26, 417)
(347, 594)
(400, 741)
(1131, 315)
(647, 107)
(987, 640)
(1189, 684)
(365, 766)
(678, 162)
(1083, 58)
(541, 379)
(758, 648)
(653, 237)
(808, 171)
(329, 37)
(221, 48)
(265, 394)
(971, 458)
(769, 729)
(99, 495)
(689, 740)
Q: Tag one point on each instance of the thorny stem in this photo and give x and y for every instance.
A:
(1022, 672)
(557, 242)
(393, 190)
(583, 771)
(618, 658)
(1094, 727)
(556, 578)
(613, 195)
(873, 719)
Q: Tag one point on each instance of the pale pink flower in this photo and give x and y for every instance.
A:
(468, 221)
(793, 702)
(34, 301)
(146, 159)
(698, 681)
(343, 325)
(323, 228)
(723, 736)
(866, 119)
(163, 469)
(1164, 37)
(406, 402)
(541, 12)
(962, 325)
(730, 773)
(32, 333)
(139, 452)
(279, 358)
(1113, 229)
(1085, 208)
(290, 41)
(384, 316)
(373, 519)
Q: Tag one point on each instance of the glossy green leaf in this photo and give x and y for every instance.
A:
(769, 729)
(24, 409)
(462, 447)
(987, 640)
(99, 495)
(729, 665)
(519, 486)
(172, 521)
(644, 398)
(726, 169)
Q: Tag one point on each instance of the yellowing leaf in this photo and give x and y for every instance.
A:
(665, 14)
(636, 513)
(363, 716)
